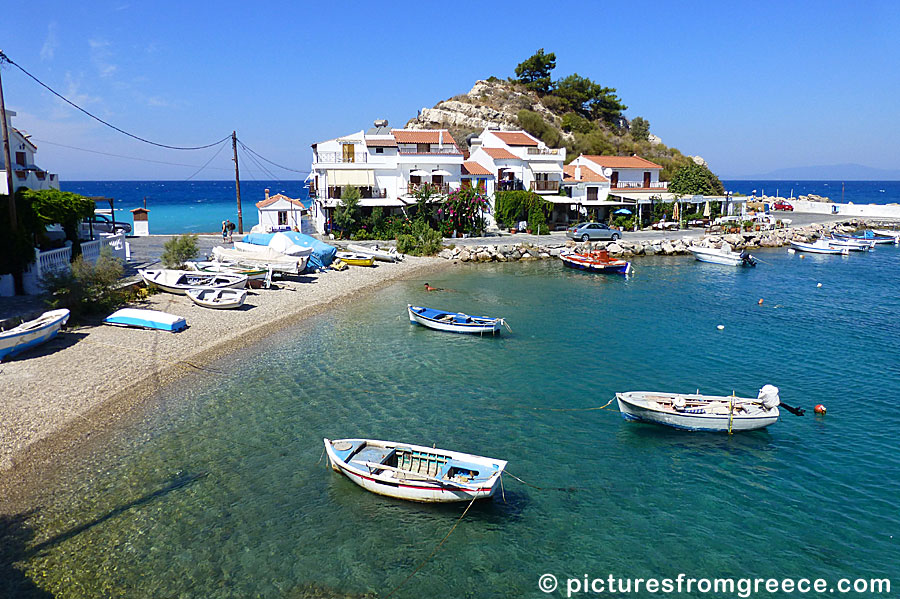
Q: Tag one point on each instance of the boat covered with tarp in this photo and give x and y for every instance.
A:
(321, 254)
(415, 472)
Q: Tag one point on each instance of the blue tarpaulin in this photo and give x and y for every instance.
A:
(322, 253)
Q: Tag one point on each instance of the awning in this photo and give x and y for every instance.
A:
(441, 173)
(357, 178)
(385, 202)
(546, 167)
(419, 173)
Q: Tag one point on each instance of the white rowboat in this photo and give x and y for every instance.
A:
(389, 255)
(219, 299)
(32, 333)
(722, 256)
(179, 281)
(415, 472)
(453, 322)
(821, 246)
(256, 256)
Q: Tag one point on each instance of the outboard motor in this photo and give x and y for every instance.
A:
(747, 259)
(768, 397)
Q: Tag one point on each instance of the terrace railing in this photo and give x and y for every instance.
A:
(340, 158)
(545, 186)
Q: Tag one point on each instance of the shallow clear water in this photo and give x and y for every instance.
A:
(218, 490)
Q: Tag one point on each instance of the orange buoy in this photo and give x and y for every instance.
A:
(760, 301)
(819, 409)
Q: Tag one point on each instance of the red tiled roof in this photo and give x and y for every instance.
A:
(500, 153)
(423, 136)
(622, 162)
(381, 143)
(473, 168)
(272, 199)
(587, 175)
(515, 138)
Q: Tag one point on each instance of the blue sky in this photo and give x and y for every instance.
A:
(751, 87)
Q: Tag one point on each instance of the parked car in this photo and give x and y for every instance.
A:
(783, 206)
(101, 223)
(592, 232)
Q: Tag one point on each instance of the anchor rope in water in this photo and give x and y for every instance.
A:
(604, 406)
(528, 484)
(434, 551)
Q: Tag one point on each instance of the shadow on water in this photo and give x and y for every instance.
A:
(15, 536)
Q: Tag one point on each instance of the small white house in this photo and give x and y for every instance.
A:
(280, 213)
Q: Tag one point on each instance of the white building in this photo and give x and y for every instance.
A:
(25, 172)
(586, 192)
(519, 161)
(388, 166)
(280, 213)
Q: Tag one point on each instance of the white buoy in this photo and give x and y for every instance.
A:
(818, 284)
(720, 327)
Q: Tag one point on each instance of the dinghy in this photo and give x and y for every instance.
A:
(253, 274)
(414, 472)
(254, 256)
(179, 281)
(722, 256)
(597, 261)
(887, 235)
(355, 259)
(695, 412)
(389, 255)
(146, 319)
(854, 245)
(32, 333)
(875, 236)
(454, 322)
(821, 246)
(219, 299)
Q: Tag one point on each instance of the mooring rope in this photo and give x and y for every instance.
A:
(434, 551)
(528, 484)
(606, 405)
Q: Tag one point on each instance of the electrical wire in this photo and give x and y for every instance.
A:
(5, 58)
(219, 151)
(250, 150)
(53, 143)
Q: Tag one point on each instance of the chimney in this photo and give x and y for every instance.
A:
(267, 194)
(441, 138)
(577, 172)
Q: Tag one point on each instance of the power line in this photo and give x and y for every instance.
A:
(243, 145)
(223, 144)
(52, 143)
(4, 57)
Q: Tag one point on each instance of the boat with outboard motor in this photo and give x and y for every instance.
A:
(595, 261)
(723, 255)
(415, 472)
(821, 246)
(695, 412)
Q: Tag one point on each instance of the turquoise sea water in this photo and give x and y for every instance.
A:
(217, 488)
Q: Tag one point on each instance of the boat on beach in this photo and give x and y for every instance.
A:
(695, 412)
(356, 259)
(255, 256)
(217, 298)
(389, 255)
(146, 319)
(179, 281)
(821, 246)
(722, 256)
(596, 261)
(32, 333)
(454, 322)
(252, 274)
(415, 472)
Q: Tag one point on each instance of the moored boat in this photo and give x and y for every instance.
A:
(356, 259)
(146, 319)
(389, 255)
(854, 245)
(454, 322)
(695, 412)
(32, 333)
(887, 235)
(414, 472)
(821, 246)
(875, 236)
(722, 256)
(596, 261)
(217, 298)
(179, 281)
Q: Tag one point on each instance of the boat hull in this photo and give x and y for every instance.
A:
(218, 299)
(714, 256)
(432, 319)
(354, 259)
(818, 249)
(33, 333)
(692, 420)
(585, 263)
(146, 319)
(179, 281)
(381, 255)
(407, 486)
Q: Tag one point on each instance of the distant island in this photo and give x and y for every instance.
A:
(832, 172)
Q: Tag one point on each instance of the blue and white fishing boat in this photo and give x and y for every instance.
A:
(884, 237)
(821, 246)
(454, 322)
(852, 244)
(695, 412)
(32, 333)
(414, 472)
(146, 319)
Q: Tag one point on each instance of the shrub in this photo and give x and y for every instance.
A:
(537, 221)
(87, 288)
(347, 213)
(178, 250)
(421, 240)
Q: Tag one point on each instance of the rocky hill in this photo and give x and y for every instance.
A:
(509, 105)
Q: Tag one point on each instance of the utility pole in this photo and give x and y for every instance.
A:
(13, 221)
(237, 182)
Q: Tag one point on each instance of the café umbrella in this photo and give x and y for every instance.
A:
(622, 211)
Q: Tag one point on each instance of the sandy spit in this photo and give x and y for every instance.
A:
(58, 395)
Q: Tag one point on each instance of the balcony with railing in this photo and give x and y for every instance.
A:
(545, 186)
(640, 185)
(365, 193)
(340, 158)
(436, 188)
(543, 151)
(431, 149)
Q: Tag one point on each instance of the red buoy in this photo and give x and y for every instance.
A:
(819, 409)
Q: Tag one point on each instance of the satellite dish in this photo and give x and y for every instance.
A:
(607, 171)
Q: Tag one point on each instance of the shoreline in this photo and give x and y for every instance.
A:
(92, 389)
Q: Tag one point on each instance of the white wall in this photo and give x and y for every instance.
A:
(864, 210)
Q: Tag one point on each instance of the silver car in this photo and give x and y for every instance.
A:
(592, 232)
(101, 223)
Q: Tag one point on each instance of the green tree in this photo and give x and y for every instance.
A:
(178, 250)
(640, 129)
(17, 249)
(87, 287)
(588, 98)
(572, 121)
(534, 72)
(347, 213)
(535, 124)
(64, 208)
(695, 179)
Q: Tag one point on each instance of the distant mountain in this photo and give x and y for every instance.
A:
(833, 172)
